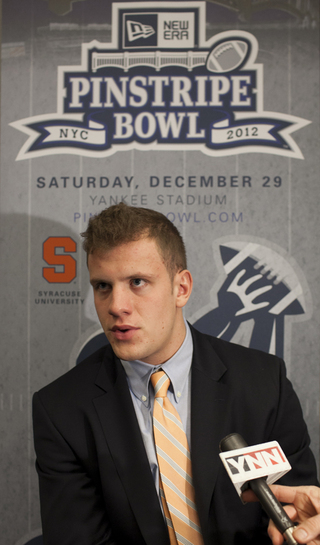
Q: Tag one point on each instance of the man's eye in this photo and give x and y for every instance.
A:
(137, 282)
(102, 286)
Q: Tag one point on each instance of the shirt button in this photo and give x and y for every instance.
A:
(178, 394)
(144, 398)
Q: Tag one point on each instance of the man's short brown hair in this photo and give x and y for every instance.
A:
(121, 223)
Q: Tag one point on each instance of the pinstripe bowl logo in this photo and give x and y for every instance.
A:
(158, 85)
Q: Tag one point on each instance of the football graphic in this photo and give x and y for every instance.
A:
(227, 55)
(260, 288)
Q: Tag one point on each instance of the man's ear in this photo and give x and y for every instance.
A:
(184, 283)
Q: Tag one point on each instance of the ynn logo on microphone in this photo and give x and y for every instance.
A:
(255, 460)
(263, 460)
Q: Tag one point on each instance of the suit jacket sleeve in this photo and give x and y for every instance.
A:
(236, 389)
(291, 432)
(72, 508)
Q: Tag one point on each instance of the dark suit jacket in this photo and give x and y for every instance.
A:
(96, 485)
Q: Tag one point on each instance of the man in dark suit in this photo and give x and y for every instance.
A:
(96, 459)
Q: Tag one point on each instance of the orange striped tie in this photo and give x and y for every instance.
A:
(176, 488)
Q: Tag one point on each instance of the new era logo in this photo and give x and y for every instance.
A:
(136, 30)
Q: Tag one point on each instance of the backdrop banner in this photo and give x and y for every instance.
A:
(205, 111)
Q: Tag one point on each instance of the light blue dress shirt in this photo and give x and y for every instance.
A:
(178, 369)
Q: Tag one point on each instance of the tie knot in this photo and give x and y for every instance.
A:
(160, 381)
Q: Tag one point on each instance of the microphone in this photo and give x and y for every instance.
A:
(251, 460)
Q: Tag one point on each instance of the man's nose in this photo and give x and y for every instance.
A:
(120, 301)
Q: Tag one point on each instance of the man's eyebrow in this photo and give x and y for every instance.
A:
(98, 281)
(139, 274)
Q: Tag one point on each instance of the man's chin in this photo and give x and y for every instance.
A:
(125, 352)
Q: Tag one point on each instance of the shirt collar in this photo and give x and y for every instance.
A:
(177, 368)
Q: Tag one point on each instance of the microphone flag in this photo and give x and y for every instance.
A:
(247, 463)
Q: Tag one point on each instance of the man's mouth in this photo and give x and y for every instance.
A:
(122, 327)
(123, 332)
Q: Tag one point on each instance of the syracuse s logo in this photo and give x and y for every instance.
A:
(159, 85)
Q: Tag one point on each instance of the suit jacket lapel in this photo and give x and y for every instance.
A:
(122, 433)
(208, 415)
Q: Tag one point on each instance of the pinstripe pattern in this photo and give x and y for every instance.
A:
(176, 487)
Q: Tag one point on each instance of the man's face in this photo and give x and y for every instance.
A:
(138, 304)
